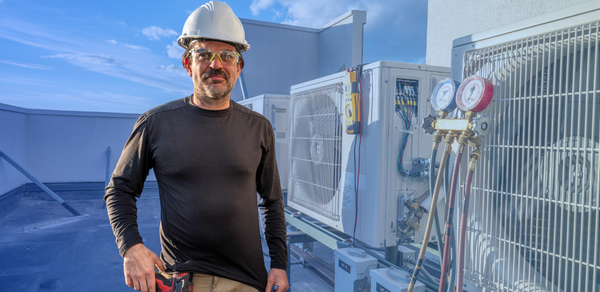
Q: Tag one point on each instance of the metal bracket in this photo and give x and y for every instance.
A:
(422, 168)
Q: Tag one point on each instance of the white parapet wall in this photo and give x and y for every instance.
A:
(60, 146)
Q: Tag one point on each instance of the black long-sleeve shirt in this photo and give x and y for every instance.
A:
(209, 165)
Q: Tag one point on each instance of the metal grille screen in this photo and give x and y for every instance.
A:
(316, 150)
(534, 225)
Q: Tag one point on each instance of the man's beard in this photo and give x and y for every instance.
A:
(213, 93)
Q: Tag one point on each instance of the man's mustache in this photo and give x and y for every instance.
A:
(217, 72)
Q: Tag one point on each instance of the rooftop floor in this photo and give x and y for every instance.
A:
(44, 248)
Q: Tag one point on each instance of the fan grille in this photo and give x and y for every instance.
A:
(536, 216)
(315, 150)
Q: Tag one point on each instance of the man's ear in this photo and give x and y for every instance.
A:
(187, 64)
(239, 69)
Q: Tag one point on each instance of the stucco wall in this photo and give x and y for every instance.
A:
(451, 19)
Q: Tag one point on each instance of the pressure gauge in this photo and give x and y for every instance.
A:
(474, 94)
(442, 98)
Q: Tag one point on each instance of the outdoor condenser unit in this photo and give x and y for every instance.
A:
(275, 108)
(325, 160)
(534, 224)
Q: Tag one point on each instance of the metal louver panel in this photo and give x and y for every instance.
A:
(535, 221)
(316, 150)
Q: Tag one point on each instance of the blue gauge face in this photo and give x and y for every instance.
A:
(442, 98)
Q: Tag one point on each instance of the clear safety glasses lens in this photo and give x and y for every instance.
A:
(206, 56)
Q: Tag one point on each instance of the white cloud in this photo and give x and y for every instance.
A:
(24, 65)
(133, 47)
(78, 100)
(155, 33)
(259, 5)
(174, 69)
(93, 59)
(100, 55)
(316, 13)
(307, 13)
(175, 51)
(395, 30)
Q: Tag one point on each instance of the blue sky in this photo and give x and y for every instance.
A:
(122, 56)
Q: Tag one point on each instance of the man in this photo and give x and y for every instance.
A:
(210, 156)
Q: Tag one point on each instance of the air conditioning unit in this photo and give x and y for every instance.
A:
(275, 108)
(534, 224)
(330, 168)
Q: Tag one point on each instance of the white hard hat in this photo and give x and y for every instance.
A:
(215, 21)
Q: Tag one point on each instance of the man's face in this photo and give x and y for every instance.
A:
(213, 80)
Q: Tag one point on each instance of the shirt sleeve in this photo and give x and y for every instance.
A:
(126, 186)
(269, 188)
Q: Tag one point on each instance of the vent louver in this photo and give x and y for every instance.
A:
(316, 129)
(536, 217)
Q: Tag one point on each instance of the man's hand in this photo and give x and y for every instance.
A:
(138, 265)
(277, 277)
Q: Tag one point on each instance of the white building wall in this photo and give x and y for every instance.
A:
(451, 19)
(279, 56)
(284, 55)
(341, 43)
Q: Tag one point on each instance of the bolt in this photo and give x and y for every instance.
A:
(484, 126)
(578, 174)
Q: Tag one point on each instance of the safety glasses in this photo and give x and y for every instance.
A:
(205, 55)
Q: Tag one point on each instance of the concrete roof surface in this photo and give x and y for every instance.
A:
(44, 248)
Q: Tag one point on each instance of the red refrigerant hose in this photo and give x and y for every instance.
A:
(449, 218)
(463, 220)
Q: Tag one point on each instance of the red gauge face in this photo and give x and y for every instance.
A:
(474, 94)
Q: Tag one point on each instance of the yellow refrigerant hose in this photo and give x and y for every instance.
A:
(437, 138)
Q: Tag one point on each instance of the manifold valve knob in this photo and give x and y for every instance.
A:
(428, 124)
(482, 126)
(416, 226)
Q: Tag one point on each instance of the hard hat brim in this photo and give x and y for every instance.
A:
(184, 42)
